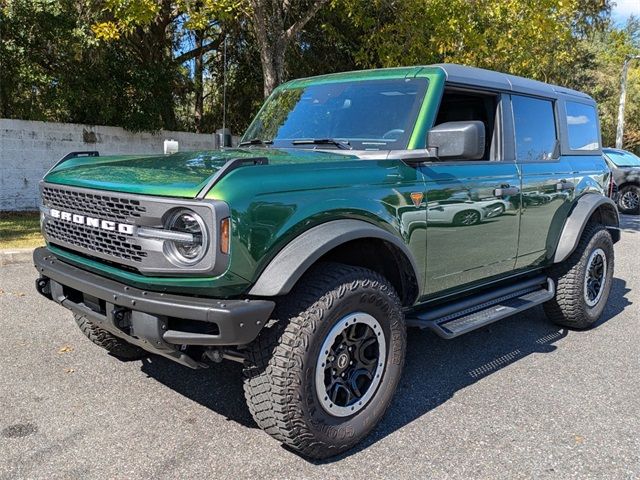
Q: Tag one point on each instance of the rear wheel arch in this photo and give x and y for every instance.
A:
(590, 208)
(351, 242)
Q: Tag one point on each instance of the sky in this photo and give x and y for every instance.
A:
(624, 8)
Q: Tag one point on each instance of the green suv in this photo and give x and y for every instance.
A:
(357, 205)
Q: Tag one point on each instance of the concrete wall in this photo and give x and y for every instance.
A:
(28, 149)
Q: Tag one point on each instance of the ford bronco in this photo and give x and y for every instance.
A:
(356, 205)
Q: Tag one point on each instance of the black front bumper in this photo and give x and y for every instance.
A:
(158, 322)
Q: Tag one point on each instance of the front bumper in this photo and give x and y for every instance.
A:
(160, 323)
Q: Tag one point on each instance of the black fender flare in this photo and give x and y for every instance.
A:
(580, 215)
(286, 268)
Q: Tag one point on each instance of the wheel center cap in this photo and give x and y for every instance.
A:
(343, 360)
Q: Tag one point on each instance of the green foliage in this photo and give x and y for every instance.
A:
(532, 38)
(131, 62)
(608, 50)
(53, 68)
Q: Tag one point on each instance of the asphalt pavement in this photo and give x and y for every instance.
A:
(522, 398)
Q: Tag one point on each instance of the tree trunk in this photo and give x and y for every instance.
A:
(270, 19)
(273, 73)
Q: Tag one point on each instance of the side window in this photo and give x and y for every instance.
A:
(582, 126)
(462, 105)
(535, 128)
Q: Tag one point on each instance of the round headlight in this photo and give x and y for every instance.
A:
(188, 251)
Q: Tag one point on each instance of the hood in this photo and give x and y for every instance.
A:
(177, 175)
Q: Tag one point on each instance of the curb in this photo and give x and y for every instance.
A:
(16, 256)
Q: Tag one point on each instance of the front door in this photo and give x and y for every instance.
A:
(472, 206)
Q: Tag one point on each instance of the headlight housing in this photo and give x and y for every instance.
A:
(192, 248)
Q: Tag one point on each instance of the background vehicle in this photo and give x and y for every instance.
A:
(464, 211)
(305, 253)
(626, 174)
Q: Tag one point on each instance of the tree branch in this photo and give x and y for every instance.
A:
(191, 54)
(299, 25)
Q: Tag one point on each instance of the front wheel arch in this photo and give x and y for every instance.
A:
(352, 242)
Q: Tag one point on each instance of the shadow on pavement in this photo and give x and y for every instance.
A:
(435, 369)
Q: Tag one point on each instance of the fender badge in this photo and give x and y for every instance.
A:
(417, 198)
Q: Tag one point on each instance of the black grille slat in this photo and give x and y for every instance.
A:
(99, 205)
(108, 243)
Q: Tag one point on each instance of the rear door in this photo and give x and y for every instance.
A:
(548, 182)
(472, 206)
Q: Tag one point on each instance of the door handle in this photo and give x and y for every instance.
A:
(505, 191)
(564, 185)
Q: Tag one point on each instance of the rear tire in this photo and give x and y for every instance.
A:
(629, 200)
(114, 345)
(307, 362)
(583, 281)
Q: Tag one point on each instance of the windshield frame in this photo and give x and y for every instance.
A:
(611, 154)
(357, 143)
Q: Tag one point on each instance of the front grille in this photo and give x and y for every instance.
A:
(108, 243)
(99, 205)
(107, 226)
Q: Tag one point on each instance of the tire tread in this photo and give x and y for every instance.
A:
(114, 345)
(272, 376)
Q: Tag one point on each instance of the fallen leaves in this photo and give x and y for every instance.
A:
(65, 349)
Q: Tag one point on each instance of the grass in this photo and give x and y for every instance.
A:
(20, 230)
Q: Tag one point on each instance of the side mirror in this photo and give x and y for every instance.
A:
(459, 140)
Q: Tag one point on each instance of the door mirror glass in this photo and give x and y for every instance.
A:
(458, 140)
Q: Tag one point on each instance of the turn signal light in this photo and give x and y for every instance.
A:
(224, 235)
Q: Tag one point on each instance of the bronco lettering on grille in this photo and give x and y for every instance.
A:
(108, 225)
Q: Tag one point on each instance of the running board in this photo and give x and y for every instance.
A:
(458, 318)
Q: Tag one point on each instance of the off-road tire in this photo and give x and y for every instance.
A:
(114, 345)
(569, 307)
(629, 190)
(279, 374)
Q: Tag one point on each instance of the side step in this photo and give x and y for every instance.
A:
(457, 318)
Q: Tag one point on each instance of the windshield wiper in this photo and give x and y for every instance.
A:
(342, 144)
(255, 141)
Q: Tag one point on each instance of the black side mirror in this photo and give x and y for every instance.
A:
(459, 140)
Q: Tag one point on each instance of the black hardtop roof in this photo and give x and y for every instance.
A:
(478, 77)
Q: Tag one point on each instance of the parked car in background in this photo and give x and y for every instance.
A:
(626, 174)
(463, 210)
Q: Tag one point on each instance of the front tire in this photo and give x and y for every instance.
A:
(629, 200)
(323, 373)
(583, 281)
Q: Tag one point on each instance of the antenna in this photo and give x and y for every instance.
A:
(224, 84)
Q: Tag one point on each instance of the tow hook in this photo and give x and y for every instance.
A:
(121, 317)
(43, 286)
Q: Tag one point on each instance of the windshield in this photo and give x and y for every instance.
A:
(623, 159)
(366, 115)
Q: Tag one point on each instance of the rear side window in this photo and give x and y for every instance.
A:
(535, 128)
(582, 126)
